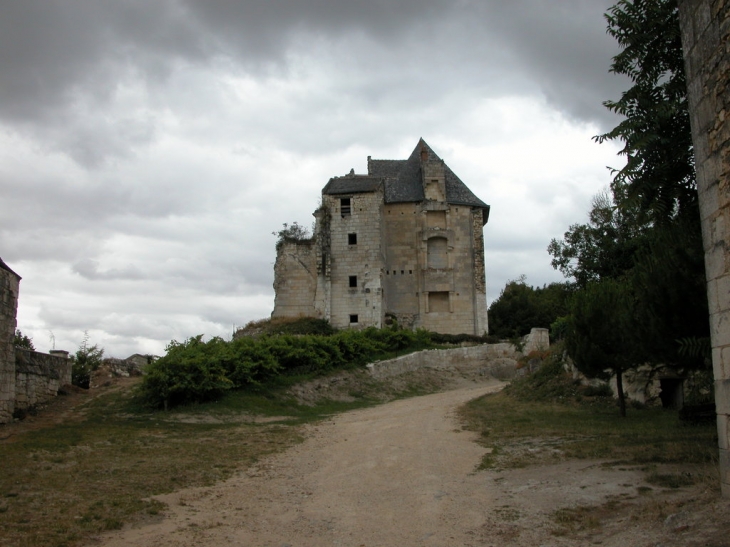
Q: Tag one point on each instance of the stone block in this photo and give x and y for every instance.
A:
(722, 396)
(720, 329)
(723, 431)
(724, 466)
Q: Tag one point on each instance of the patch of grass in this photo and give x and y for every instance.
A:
(671, 480)
(539, 418)
(62, 484)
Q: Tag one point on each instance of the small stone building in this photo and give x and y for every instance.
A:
(403, 242)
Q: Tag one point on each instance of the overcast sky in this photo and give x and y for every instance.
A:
(149, 149)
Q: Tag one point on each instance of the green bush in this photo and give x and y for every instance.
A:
(196, 371)
(86, 360)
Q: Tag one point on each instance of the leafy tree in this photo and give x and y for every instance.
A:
(86, 360)
(659, 171)
(601, 337)
(671, 294)
(521, 307)
(22, 341)
(604, 248)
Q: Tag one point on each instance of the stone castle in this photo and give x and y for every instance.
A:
(403, 242)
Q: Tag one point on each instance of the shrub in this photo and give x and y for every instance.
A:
(86, 360)
(196, 371)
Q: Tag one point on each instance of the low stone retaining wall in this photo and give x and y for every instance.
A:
(498, 360)
(36, 379)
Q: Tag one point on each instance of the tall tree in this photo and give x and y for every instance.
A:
(604, 248)
(521, 307)
(601, 337)
(659, 170)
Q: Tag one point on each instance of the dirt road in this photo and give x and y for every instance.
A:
(401, 474)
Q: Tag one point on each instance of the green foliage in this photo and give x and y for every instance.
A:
(521, 308)
(659, 171)
(646, 235)
(668, 280)
(550, 382)
(602, 338)
(22, 341)
(86, 360)
(293, 233)
(195, 371)
(603, 248)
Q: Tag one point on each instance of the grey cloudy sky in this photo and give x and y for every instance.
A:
(149, 149)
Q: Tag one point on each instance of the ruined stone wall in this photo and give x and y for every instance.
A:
(356, 259)
(705, 37)
(9, 285)
(295, 280)
(38, 377)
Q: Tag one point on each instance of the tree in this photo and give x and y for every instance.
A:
(601, 337)
(603, 248)
(659, 171)
(22, 341)
(521, 307)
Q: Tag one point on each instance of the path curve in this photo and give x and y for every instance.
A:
(396, 474)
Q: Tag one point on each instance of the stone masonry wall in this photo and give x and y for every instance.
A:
(295, 280)
(706, 42)
(9, 285)
(38, 377)
(499, 360)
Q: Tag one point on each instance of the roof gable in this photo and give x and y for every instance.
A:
(404, 179)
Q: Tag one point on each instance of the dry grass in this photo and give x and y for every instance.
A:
(62, 484)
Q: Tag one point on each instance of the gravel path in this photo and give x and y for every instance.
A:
(403, 474)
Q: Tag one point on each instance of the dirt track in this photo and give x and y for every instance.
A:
(402, 474)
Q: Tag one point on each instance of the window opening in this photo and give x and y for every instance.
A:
(345, 208)
(353, 318)
(352, 239)
(353, 281)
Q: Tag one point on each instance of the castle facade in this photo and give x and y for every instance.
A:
(403, 242)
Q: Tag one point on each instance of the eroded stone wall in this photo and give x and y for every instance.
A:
(38, 377)
(9, 285)
(705, 38)
(295, 280)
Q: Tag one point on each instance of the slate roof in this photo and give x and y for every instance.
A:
(352, 184)
(403, 181)
(4, 266)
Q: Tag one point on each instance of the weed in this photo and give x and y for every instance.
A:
(671, 480)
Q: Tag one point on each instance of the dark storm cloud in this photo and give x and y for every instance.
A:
(56, 57)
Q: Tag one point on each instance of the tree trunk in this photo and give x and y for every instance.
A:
(620, 389)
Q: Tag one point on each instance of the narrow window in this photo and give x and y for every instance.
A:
(410, 272)
(402, 272)
(353, 318)
(345, 207)
(352, 239)
(353, 281)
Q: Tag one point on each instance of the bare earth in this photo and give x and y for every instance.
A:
(404, 474)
